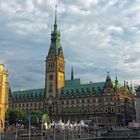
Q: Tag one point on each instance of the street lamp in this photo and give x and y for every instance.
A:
(54, 131)
(125, 102)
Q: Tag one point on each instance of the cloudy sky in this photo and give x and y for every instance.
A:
(97, 36)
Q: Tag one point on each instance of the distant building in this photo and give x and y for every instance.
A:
(108, 102)
(137, 98)
(4, 90)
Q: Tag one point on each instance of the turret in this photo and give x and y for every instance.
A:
(108, 81)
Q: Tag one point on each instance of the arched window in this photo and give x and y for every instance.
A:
(88, 90)
(77, 101)
(72, 102)
(83, 101)
(67, 92)
(88, 100)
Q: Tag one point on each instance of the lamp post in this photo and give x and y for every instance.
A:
(67, 134)
(64, 131)
(72, 131)
(42, 128)
(29, 127)
(54, 131)
(125, 101)
(88, 128)
(94, 126)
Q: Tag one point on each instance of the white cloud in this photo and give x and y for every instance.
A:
(97, 36)
(77, 11)
(116, 29)
(88, 3)
(30, 5)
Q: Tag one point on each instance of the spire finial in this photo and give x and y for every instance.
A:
(72, 75)
(131, 86)
(124, 83)
(116, 73)
(131, 83)
(116, 79)
(108, 73)
(55, 22)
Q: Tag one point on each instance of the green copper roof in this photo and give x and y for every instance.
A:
(74, 82)
(32, 94)
(55, 37)
(74, 87)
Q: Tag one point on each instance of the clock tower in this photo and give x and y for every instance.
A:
(55, 65)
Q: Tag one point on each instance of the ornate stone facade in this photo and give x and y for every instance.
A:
(109, 101)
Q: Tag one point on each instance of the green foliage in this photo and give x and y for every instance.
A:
(35, 112)
(38, 116)
(14, 115)
(46, 118)
(35, 116)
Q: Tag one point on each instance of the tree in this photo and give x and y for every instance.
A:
(46, 118)
(15, 115)
(35, 112)
(38, 117)
(35, 116)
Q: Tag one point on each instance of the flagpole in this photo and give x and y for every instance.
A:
(42, 128)
(54, 130)
(16, 130)
(29, 127)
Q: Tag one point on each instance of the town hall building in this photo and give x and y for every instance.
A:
(108, 101)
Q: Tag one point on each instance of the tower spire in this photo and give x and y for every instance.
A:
(116, 79)
(131, 87)
(55, 64)
(55, 21)
(55, 14)
(72, 75)
(124, 83)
